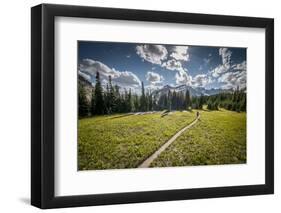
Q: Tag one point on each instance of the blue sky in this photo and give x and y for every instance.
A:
(158, 65)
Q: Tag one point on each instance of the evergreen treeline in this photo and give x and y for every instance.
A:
(235, 101)
(111, 100)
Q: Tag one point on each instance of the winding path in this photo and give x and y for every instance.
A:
(151, 158)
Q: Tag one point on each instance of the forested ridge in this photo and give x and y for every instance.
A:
(114, 99)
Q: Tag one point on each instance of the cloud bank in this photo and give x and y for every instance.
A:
(230, 75)
(227, 74)
(180, 53)
(154, 54)
(154, 78)
(125, 79)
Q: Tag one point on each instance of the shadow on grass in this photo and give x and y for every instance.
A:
(106, 116)
(121, 116)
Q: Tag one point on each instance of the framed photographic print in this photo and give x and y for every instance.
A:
(140, 106)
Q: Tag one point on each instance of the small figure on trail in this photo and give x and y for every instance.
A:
(197, 114)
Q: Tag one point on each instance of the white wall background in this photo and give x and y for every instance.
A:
(15, 106)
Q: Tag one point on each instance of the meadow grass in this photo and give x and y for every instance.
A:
(219, 137)
(125, 141)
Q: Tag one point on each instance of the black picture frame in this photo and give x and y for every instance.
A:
(43, 102)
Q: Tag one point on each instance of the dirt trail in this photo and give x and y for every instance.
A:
(151, 158)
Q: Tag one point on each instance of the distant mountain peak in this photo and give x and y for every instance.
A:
(194, 91)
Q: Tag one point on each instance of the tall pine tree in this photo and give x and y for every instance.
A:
(93, 102)
(142, 99)
(169, 100)
(187, 101)
(83, 103)
(129, 101)
(111, 96)
(107, 100)
(118, 100)
(98, 96)
(201, 102)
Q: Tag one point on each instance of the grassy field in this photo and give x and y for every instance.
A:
(120, 141)
(218, 138)
(125, 141)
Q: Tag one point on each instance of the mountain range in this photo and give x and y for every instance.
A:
(194, 91)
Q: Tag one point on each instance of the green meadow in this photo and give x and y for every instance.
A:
(218, 138)
(126, 140)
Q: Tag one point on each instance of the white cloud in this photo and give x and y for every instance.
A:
(180, 53)
(158, 54)
(225, 55)
(125, 79)
(155, 81)
(85, 76)
(225, 66)
(220, 69)
(181, 75)
(230, 75)
(231, 80)
(154, 78)
(173, 65)
(152, 87)
(201, 80)
(154, 54)
(240, 67)
(183, 78)
(91, 67)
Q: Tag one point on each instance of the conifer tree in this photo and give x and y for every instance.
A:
(169, 100)
(136, 104)
(107, 100)
(129, 101)
(111, 96)
(82, 101)
(149, 101)
(165, 102)
(118, 102)
(201, 102)
(99, 101)
(187, 101)
(142, 99)
(93, 105)
(243, 104)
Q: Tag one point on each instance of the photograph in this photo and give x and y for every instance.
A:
(160, 105)
(139, 105)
